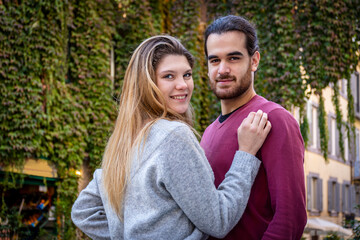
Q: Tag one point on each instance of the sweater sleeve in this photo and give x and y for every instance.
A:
(283, 158)
(88, 212)
(188, 177)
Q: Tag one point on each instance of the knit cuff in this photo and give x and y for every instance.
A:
(244, 160)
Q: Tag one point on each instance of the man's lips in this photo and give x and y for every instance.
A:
(225, 79)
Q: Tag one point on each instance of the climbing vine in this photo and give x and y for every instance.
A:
(329, 49)
(58, 99)
(324, 135)
(339, 121)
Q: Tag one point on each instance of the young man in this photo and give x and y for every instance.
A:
(276, 207)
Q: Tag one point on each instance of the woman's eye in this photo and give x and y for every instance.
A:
(188, 75)
(169, 76)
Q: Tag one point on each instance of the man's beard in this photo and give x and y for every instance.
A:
(235, 91)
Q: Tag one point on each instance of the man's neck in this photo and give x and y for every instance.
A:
(229, 105)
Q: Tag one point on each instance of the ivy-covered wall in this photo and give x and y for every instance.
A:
(58, 100)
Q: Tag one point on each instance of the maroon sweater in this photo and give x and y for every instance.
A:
(276, 207)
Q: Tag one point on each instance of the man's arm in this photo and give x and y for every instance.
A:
(283, 159)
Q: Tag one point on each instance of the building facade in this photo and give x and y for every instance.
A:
(333, 186)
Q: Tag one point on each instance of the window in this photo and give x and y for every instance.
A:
(348, 198)
(332, 135)
(314, 194)
(343, 87)
(314, 190)
(296, 114)
(314, 138)
(346, 147)
(314, 126)
(355, 86)
(357, 158)
(333, 146)
(333, 197)
(357, 202)
(112, 65)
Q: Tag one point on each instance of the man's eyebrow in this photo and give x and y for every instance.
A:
(212, 57)
(235, 53)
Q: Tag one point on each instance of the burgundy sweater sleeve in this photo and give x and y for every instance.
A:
(283, 158)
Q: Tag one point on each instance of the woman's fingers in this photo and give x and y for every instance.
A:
(267, 128)
(263, 121)
(250, 118)
(253, 131)
(257, 117)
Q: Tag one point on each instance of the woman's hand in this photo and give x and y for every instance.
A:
(253, 132)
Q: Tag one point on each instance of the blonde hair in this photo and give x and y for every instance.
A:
(141, 105)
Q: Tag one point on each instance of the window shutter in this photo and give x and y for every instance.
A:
(309, 193)
(352, 199)
(337, 197)
(309, 113)
(330, 132)
(337, 146)
(357, 146)
(352, 150)
(343, 130)
(318, 145)
(330, 196)
(319, 195)
(343, 198)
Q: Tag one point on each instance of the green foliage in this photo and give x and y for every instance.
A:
(339, 121)
(350, 117)
(21, 89)
(330, 32)
(324, 135)
(278, 76)
(304, 128)
(89, 71)
(57, 95)
(332, 236)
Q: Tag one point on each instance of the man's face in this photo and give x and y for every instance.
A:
(230, 66)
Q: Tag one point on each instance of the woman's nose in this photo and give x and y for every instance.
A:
(181, 84)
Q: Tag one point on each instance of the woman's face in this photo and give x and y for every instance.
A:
(174, 79)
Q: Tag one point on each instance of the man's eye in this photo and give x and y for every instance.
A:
(214, 60)
(234, 58)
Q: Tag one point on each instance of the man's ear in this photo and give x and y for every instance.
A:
(255, 59)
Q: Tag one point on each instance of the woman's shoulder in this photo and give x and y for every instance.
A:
(164, 126)
(167, 130)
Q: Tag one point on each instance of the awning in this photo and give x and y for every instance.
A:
(36, 167)
(324, 227)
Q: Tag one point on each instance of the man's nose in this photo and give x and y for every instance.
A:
(223, 68)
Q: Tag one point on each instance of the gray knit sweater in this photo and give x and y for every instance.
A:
(171, 193)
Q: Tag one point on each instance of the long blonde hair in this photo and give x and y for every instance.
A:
(141, 104)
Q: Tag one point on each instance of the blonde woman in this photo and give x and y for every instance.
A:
(155, 181)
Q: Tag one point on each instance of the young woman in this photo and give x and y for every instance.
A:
(155, 181)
